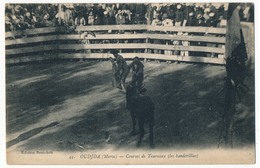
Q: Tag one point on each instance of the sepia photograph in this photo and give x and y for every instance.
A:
(147, 83)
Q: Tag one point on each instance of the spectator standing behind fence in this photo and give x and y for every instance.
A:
(185, 44)
(137, 19)
(200, 22)
(198, 10)
(106, 19)
(79, 12)
(206, 14)
(185, 14)
(157, 22)
(29, 20)
(179, 16)
(17, 17)
(8, 23)
(98, 14)
(61, 16)
(80, 21)
(168, 23)
(52, 10)
(177, 43)
(91, 18)
(211, 22)
(149, 14)
(191, 20)
(98, 19)
(120, 18)
(46, 21)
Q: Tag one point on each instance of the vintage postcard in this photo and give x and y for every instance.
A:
(130, 83)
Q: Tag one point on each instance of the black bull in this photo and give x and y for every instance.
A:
(141, 108)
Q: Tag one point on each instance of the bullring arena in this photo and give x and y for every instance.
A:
(59, 93)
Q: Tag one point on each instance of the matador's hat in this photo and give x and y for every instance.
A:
(114, 52)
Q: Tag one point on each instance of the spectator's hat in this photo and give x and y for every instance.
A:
(207, 10)
(199, 16)
(217, 5)
(191, 14)
(69, 6)
(179, 6)
(46, 16)
(28, 14)
(211, 14)
(17, 8)
(114, 52)
(105, 12)
(8, 6)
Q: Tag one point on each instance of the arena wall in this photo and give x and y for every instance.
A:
(192, 44)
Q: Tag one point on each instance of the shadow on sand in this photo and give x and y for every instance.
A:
(92, 115)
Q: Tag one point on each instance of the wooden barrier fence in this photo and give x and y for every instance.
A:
(203, 44)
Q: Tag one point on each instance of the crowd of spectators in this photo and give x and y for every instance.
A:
(26, 16)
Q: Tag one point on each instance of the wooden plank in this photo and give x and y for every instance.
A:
(31, 31)
(125, 55)
(111, 27)
(104, 37)
(187, 29)
(15, 60)
(187, 38)
(102, 46)
(143, 46)
(151, 56)
(31, 49)
(152, 28)
(30, 40)
(85, 55)
(144, 55)
(197, 59)
(68, 37)
(186, 48)
(115, 36)
(145, 36)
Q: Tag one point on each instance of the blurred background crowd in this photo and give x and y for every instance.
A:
(28, 16)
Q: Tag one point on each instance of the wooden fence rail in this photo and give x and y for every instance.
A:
(136, 40)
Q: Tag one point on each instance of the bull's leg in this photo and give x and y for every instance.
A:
(134, 123)
(151, 134)
(141, 130)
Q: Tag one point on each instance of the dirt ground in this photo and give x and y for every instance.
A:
(71, 106)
